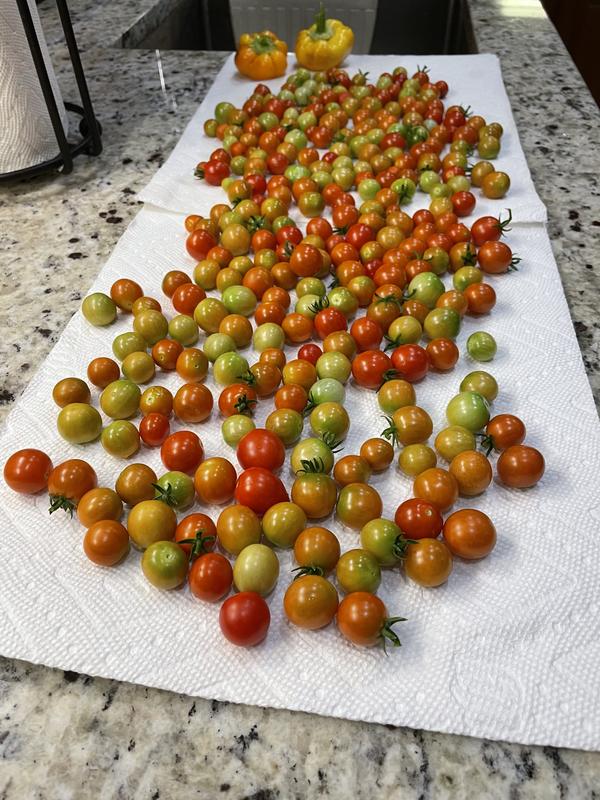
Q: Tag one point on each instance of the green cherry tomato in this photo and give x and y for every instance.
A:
(79, 423)
(176, 489)
(184, 330)
(358, 571)
(334, 365)
(239, 300)
(405, 330)
(209, 313)
(256, 569)
(229, 368)
(282, 524)
(481, 346)
(139, 367)
(395, 394)
(357, 504)
(465, 276)
(307, 305)
(416, 458)
(310, 286)
(470, 410)
(311, 449)
(165, 565)
(454, 440)
(442, 323)
(285, 423)
(120, 438)
(120, 399)
(268, 335)
(343, 300)
(383, 539)
(235, 428)
(330, 418)
(126, 343)
(218, 343)
(151, 325)
(481, 382)
(426, 288)
(327, 390)
(99, 309)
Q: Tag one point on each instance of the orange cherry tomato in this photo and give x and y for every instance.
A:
(469, 533)
(428, 562)
(437, 486)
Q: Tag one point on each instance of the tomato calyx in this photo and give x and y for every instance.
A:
(392, 344)
(400, 546)
(248, 378)
(312, 466)
(58, 501)
(257, 223)
(341, 231)
(198, 544)
(424, 69)
(319, 305)
(503, 224)
(199, 170)
(165, 494)
(487, 442)
(245, 404)
(467, 111)
(389, 375)
(328, 438)
(309, 569)
(391, 432)
(388, 635)
(512, 267)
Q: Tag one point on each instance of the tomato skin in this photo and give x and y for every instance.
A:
(369, 368)
(154, 429)
(428, 562)
(469, 533)
(520, 466)
(215, 480)
(182, 451)
(419, 519)
(505, 430)
(310, 602)
(259, 489)
(193, 402)
(210, 577)
(410, 362)
(245, 619)
(361, 617)
(71, 480)
(329, 320)
(27, 471)
(261, 448)
(201, 529)
(106, 542)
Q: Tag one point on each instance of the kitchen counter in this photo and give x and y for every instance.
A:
(61, 731)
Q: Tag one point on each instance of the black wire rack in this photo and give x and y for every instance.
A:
(90, 130)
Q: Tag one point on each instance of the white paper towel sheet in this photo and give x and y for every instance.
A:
(508, 649)
(474, 80)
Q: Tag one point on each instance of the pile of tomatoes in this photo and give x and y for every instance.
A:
(357, 293)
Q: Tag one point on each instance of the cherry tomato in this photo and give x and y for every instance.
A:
(310, 602)
(520, 466)
(437, 486)
(369, 368)
(503, 431)
(362, 618)
(165, 565)
(315, 493)
(306, 260)
(136, 483)
(410, 362)
(125, 292)
(151, 521)
(317, 549)
(481, 298)
(310, 352)
(256, 569)
(366, 333)
(358, 571)
(259, 489)
(154, 429)
(469, 533)
(215, 481)
(292, 396)
(237, 527)
(71, 390)
(193, 402)
(261, 448)
(378, 453)
(102, 371)
(428, 562)
(442, 353)
(182, 451)
(68, 482)
(196, 534)
(106, 542)
(351, 469)
(99, 504)
(357, 504)
(210, 577)
(495, 257)
(27, 471)
(245, 619)
(472, 471)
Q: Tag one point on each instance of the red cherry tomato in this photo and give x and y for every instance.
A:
(261, 448)
(210, 577)
(367, 333)
(418, 519)
(182, 451)
(245, 619)
(410, 362)
(198, 243)
(259, 489)
(329, 320)
(369, 368)
(310, 352)
(27, 471)
(154, 429)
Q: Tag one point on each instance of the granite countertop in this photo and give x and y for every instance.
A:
(61, 731)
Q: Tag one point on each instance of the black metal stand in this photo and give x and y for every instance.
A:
(89, 127)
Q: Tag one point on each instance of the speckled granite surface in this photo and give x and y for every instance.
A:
(69, 736)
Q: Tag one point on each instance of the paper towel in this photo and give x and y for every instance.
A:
(508, 649)
(26, 134)
(474, 80)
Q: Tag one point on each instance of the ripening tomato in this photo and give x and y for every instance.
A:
(215, 480)
(428, 562)
(210, 577)
(495, 257)
(198, 243)
(410, 361)
(503, 431)
(182, 451)
(378, 453)
(68, 482)
(329, 320)
(259, 489)
(261, 448)
(362, 618)
(520, 466)
(136, 483)
(480, 297)
(306, 260)
(99, 504)
(442, 353)
(196, 534)
(237, 398)
(193, 402)
(370, 368)
(367, 333)
(310, 602)
(310, 352)
(106, 542)
(154, 429)
(469, 533)
(472, 471)
(437, 486)
(418, 519)
(317, 548)
(27, 471)
(245, 619)
(292, 396)
(357, 504)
